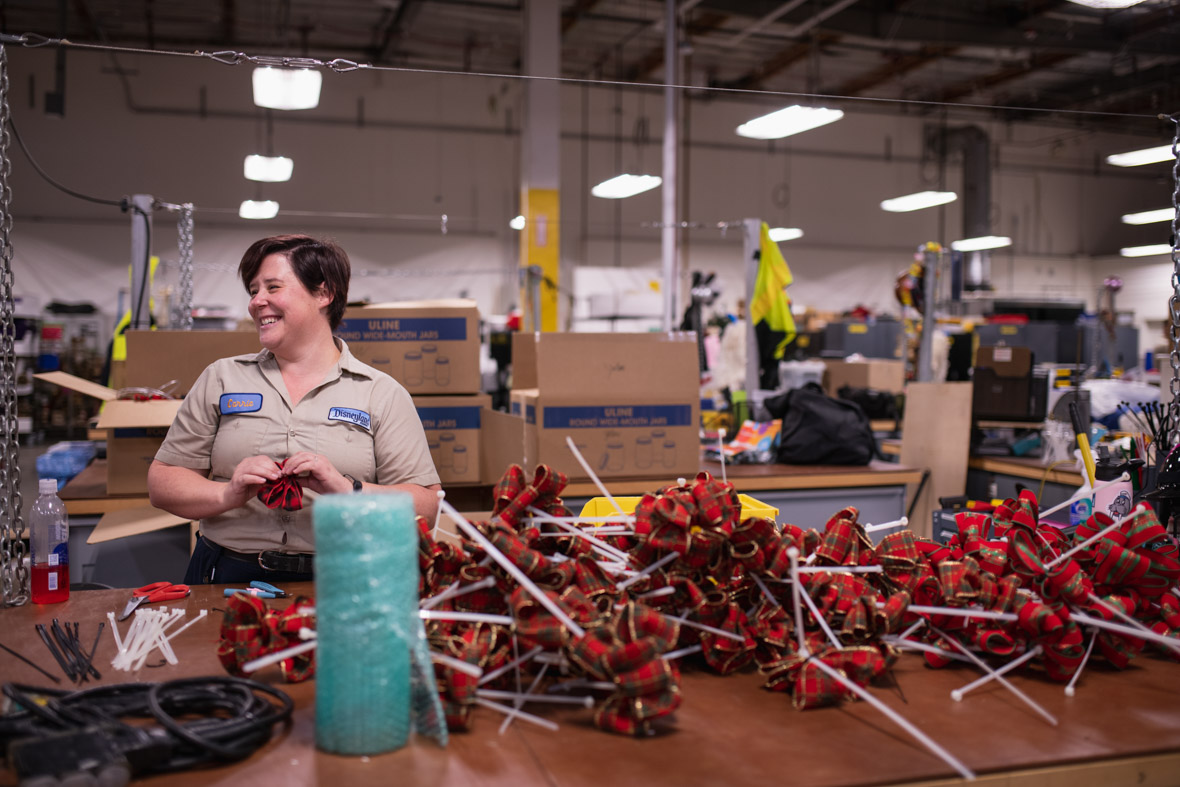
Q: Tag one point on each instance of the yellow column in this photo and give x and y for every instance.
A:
(539, 257)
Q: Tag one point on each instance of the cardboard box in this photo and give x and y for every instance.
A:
(135, 431)
(452, 425)
(501, 442)
(430, 347)
(630, 402)
(878, 374)
(156, 357)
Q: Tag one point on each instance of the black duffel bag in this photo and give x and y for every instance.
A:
(817, 429)
(876, 404)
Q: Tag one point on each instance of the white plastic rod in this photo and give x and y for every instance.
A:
(887, 525)
(958, 694)
(277, 656)
(593, 476)
(1115, 525)
(542, 599)
(1127, 631)
(516, 713)
(896, 718)
(466, 617)
(493, 694)
(1130, 621)
(800, 635)
(710, 629)
(509, 666)
(1027, 700)
(1069, 690)
(1080, 494)
(665, 560)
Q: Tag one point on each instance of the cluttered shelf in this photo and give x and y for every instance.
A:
(1028, 468)
(1121, 727)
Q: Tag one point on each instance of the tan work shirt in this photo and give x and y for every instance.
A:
(361, 419)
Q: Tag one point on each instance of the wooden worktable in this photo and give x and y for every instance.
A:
(1121, 728)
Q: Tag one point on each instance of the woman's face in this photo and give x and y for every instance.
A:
(282, 308)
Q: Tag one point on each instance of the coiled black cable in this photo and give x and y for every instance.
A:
(225, 718)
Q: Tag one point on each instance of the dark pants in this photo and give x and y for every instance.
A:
(211, 565)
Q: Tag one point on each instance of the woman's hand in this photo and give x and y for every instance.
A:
(322, 477)
(250, 474)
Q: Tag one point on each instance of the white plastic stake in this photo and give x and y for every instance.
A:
(277, 656)
(710, 629)
(665, 560)
(1069, 690)
(509, 666)
(887, 525)
(1115, 525)
(517, 713)
(793, 554)
(1003, 681)
(467, 617)
(1080, 494)
(593, 476)
(721, 452)
(958, 694)
(438, 513)
(492, 694)
(542, 599)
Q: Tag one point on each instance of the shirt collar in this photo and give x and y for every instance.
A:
(347, 363)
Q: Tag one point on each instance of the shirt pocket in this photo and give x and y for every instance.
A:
(239, 436)
(349, 448)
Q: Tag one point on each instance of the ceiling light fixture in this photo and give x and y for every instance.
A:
(785, 122)
(918, 201)
(780, 234)
(517, 223)
(622, 186)
(1137, 158)
(258, 209)
(1145, 251)
(981, 243)
(287, 88)
(268, 169)
(1107, 3)
(1149, 216)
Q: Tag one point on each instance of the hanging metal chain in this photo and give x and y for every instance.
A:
(14, 577)
(184, 229)
(1174, 300)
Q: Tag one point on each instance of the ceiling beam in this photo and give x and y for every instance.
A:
(571, 16)
(781, 61)
(229, 21)
(653, 59)
(395, 29)
(1038, 61)
(897, 64)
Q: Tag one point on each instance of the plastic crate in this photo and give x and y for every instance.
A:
(600, 506)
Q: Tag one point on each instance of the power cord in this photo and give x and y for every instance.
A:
(50, 180)
(57, 734)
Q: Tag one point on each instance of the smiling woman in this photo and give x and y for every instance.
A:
(301, 414)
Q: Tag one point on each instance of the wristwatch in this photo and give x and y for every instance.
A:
(356, 485)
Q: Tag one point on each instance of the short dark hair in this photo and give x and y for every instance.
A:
(316, 262)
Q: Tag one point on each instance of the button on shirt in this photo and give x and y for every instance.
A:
(361, 419)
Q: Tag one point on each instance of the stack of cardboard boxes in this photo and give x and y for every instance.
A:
(629, 402)
(432, 349)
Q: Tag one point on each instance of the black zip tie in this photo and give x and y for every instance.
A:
(76, 646)
(93, 648)
(68, 649)
(31, 663)
(57, 656)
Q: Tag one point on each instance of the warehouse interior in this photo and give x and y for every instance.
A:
(983, 406)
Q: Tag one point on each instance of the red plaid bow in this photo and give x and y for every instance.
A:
(512, 497)
(285, 493)
(250, 630)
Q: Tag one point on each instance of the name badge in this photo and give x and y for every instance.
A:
(358, 417)
(232, 403)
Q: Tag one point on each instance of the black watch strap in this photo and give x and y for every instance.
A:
(356, 485)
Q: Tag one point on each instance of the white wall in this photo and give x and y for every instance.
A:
(405, 148)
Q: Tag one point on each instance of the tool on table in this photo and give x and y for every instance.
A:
(149, 594)
(258, 588)
(1083, 435)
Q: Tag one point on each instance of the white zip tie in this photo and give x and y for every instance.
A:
(1027, 700)
(454, 591)
(1124, 630)
(594, 476)
(672, 655)
(517, 713)
(490, 676)
(958, 694)
(665, 560)
(1080, 494)
(1174, 644)
(466, 667)
(909, 644)
(710, 629)
(504, 725)
(601, 546)
(793, 554)
(1097, 536)
(465, 617)
(887, 525)
(1069, 690)
(667, 590)
(896, 718)
(492, 694)
(512, 569)
(279, 655)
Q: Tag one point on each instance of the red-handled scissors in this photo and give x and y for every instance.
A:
(156, 591)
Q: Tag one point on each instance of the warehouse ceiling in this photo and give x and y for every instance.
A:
(1032, 55)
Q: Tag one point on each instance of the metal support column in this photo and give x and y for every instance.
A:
(931, 256)
(670, 220)
(752, 249)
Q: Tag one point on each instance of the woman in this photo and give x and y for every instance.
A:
(334, 424)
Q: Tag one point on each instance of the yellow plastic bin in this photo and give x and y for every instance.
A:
(600, 506)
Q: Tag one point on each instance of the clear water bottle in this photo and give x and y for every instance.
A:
(49, 536)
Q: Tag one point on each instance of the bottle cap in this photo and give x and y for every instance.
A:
(47, 486)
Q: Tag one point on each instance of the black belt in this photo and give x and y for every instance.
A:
(294, 562)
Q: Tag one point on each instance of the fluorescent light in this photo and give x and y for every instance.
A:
(918, 201)
(981, 243)
(1137, 158)
(1149, 216)
(268, 169)
(258, 209)
(622, 186)
(517, 223)
(1146, 251)
(785, 122)
(780, 234)
(1107, 3)
(287, 88)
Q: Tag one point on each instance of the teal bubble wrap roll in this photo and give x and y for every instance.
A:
(366, 578)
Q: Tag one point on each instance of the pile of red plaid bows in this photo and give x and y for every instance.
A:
(727, 590)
